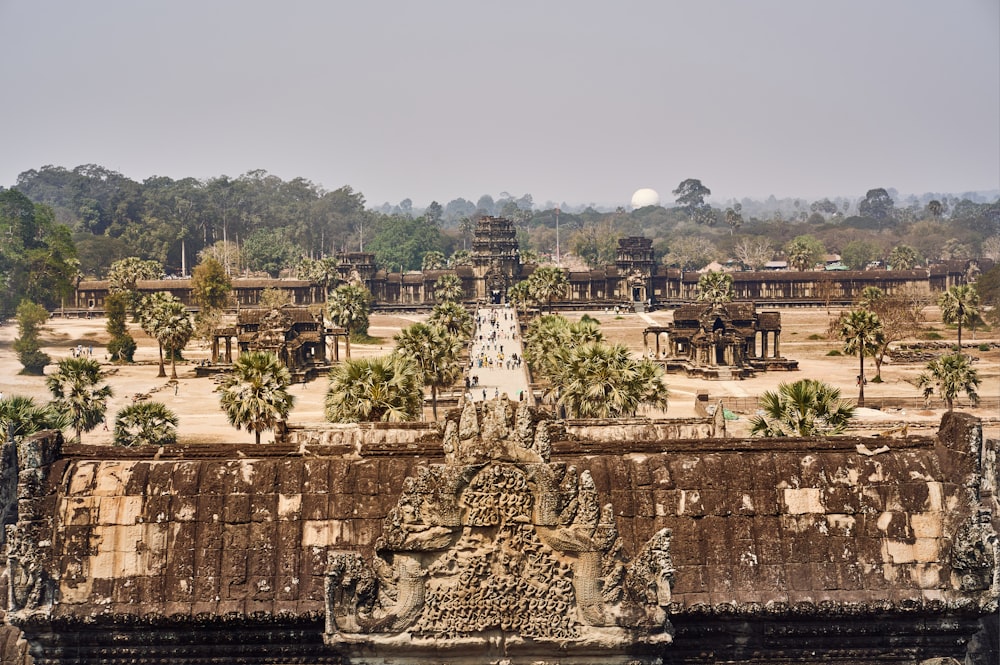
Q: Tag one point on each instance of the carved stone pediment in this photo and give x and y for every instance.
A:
(499, 553)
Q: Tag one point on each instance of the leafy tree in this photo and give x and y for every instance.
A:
(715, 288)
(953, 375)
(30, 318)
(270, 251)
(126, 273)
(988, 288)
(210, 285)
(691, 196)
(452, 317)
(37, 256)
(402, 241)
(461, 258)
(20, 416)
(273, 298)
(448, 288)
(225, 252)
(433, 212)
(173, 329)
(863, 335)
(690, 252)
(145, 424)
(857, 254)
(903, 257)
(734, 217)
(547, 283)
(381, 389)
(753, 252)
(348, 306)
(436, 353)
(323, 272)
(806, 407)
(466, 227)
(959, 306)
(122, 345)
(77, 395)
(991, 249)
(255, 395)
(935, 209)
(597, 380)
(900, 313)
(596, 244)
(877, 204)
(432, 260)
(804, 251)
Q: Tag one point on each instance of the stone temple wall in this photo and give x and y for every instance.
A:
(845, 550)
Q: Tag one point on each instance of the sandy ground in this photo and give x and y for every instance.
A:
(197, 403)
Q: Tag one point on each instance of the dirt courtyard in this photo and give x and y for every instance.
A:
(196, 401)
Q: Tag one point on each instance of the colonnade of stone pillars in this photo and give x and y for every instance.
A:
(776, 336)
(227, 357)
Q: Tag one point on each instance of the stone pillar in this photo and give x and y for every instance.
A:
(229, 349)
(777, 337)
(763, 344)
(215, 349)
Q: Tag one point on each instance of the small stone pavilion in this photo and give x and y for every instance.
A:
(723, 341)
(294, 334)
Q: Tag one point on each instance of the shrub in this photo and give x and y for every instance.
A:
(814, 337)
(122, 349)
(834, 352)
(983, 347)
(932, 335)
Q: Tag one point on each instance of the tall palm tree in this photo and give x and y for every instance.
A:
(21, 416)
(77, 394)
(452, 317)
(953, 374)
(597, 380)
(255, 395)
(150, 312)
(381, 389)
(448, 288)
(959, 305)
(435, 351)
(348, 306)
(715, 288)
(145, 424)
(804, 408)
(173, 330)
(862, 334)
(548, 283)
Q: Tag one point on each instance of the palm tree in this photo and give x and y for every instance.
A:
(862, 334)
(255, 395)
(959, 305)
(448, 288)
(20, 416)
(173, 330)
(348, 306)
(435, 351)
(548, 283)
(715, 288)
(150, 311)
(145, 424)
(520, 296)
(76, 394)
(432, 260)
(452, 317)
(953, 374)
(804, 408)
(381, 389)
(597, 380)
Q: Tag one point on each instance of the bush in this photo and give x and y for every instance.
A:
(983, 347)
(932, 335)
(834, 352)
(814, 337)
(34, 361)
(122, 349)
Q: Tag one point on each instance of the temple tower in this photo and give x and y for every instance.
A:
(636, 266)
(496, 261)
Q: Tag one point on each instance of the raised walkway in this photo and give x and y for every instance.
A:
(496, 360)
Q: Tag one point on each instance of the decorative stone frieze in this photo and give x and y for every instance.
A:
(499, 547)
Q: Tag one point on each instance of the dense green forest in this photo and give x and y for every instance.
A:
(84, 219)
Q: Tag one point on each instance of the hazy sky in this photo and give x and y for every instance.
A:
(576, 101)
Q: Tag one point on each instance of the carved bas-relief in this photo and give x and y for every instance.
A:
(500, 554)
